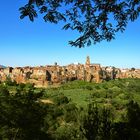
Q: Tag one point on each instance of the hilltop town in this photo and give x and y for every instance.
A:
(54, 74)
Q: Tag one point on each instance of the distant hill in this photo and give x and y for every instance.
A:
(1, 66)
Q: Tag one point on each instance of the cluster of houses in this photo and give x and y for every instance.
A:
(54, 74)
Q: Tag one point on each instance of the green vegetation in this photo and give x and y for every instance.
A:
(94, 20)
(113, 94)
(75, 111)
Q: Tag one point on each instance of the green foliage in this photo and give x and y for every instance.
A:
(21, 116)
(93, 20)
(60, 99)
(9, 82)
(3, 90)
(129, 128)
(91, 123)
(114, 94)
(133, 113)
(77, 111)
(97, 123)
(69, 132)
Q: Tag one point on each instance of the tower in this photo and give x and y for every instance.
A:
(88, 61)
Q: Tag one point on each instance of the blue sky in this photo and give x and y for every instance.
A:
(25, 43)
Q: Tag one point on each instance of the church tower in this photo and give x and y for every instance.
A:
(88, 61)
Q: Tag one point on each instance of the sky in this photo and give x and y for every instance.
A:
(25, 43)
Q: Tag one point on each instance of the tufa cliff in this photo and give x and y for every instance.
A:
(55, 74)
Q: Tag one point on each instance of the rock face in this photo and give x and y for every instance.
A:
(55, 74)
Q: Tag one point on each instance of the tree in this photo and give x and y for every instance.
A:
(133, 113)
(133, 69)
(97, 123)
(95, 20)
(91, 123)
(21, 116)
(129, 128)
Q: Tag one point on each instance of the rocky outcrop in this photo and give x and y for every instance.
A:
(55, 74)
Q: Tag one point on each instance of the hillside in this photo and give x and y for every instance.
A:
(76, 110)
(114, 94)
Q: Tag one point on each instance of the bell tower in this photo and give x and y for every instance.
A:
(88, 61)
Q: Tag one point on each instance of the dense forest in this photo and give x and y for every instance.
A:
(77, 110)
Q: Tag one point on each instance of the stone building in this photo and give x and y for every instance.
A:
(54, 74)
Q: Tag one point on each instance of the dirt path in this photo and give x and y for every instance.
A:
(47, 101)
